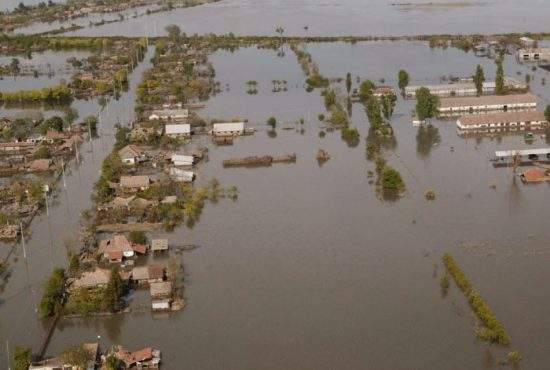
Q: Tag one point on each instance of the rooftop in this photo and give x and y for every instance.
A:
(488, 100)
(505, 117)
(183, 128)
(134, 181)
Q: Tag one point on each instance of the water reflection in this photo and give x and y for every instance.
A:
(427, 136)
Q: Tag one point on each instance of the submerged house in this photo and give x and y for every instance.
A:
(453, 106)
(144, 358)
(534, 54)
(118, 248)
(506, 120)
(228, 129)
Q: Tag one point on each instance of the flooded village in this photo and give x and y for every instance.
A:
(291, 199)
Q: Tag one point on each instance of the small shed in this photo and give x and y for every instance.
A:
(160, 305)
(181, 175)
(134, 182)
(159, 245)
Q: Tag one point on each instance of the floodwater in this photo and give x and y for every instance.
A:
(309, 268)
(340, 17)
(50, 235)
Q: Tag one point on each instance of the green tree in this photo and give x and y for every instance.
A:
(426, 104)
(53, 123)
(174, 32)
(54, 289)
(479, 79)
(138, 237)
(42, 152)
(348, 83)
(365, 90)
(391, 179)
(113, 292)
(388, 104)
(272, 121)
(499, 79)
(14, 66)
(547, 113)
(403, 79)
(20, 358)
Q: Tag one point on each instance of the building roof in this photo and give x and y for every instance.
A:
(171, 113)
(156, 272)
(183, 128)
(228, 126)
(161, 289)
(130, 151)
(139, 248)
(182, 158)
(140, 273)
(159, 244)
(487, 100)
(90, 279)
(533, 174)
(513, 152)
(505, 117)
(130, 358)
(134, 181)
(40, 164)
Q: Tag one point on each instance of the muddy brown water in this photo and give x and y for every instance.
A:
(331, 17)
(309, 268)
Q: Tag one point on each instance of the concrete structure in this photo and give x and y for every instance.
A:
(534, 55)
(464, 88)
(182, 160)
(228, 129)
(180, 130)
(522, 152)
(450, 106)
(169, 114)
(160, 305)
(508, 120)
(527, 42)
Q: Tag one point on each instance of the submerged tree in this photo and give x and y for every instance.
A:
(499, 79)
(403, 79)
(348, 83)
(479, 79)
(426, 104)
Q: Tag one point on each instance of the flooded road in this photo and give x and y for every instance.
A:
(339, 17)
(309, 268)
(46, 247)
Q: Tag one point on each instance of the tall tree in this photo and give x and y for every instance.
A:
(479, 79)
(403, 79)
(113, 292)
(348, 83)
(499, 79)
(426, 104)
(547, 113)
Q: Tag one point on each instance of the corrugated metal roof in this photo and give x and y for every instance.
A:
(183, 128)
(505, 117)
(488, 100)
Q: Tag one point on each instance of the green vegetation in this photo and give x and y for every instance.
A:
(365, 90)
(444, 284)
(350, 135)
(479, 79)
(77, 356)
(493, 330)
(57, 94)
(388, 105)
(426, 104)
(547, 113)
(348, 83)
(114, 291)
(391, 179)
(20, 358)
(54, 289)
(426, 137)
(272, 121)
(402, 79)
(500, 89)
(138, 237)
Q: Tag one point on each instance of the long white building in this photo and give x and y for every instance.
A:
(465, 88)
(506, 120)
(455, 106)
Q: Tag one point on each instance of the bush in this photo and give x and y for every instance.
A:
(272, 121)
(20, 358)
(391, 179)
(493, 331)
(138, 237)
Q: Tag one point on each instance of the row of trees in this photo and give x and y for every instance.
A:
(57, 94)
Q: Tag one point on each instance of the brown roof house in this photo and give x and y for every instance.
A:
(92, 279)
(146, 357)
(119, 247)
(148, 274)
(134, 183)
